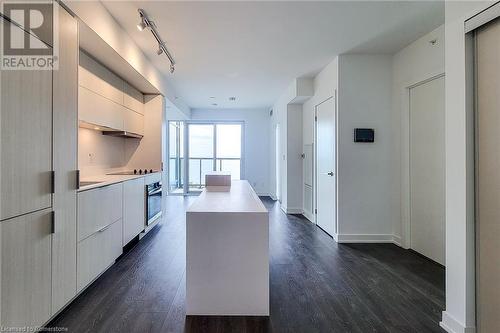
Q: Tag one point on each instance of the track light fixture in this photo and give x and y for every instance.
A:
(162, 48)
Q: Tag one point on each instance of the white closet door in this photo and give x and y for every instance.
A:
(427, 173)
(325, 167)
(488, 178)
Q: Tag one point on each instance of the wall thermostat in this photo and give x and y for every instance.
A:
(364, 135)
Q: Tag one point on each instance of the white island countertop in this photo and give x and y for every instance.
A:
(240, 198)
(227, 253)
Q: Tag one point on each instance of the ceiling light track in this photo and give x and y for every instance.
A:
(162, 48)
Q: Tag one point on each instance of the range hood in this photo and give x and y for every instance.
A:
(109, 131)
(122, 134)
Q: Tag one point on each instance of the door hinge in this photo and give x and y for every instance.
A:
(315, 118)
(315, 210)
(53, 182)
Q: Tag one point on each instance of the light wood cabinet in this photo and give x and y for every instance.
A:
(98, 208)
(133, 208)
(97, 252)
(133, 122)
(100, 213)
(65, 142)
(25, 141)
(96, 109)
(39, 123)
(133, 98)
(100, 80)
(26, 269)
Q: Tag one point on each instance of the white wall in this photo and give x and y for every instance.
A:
(99, 154)
(417, 62)
(256, 145)
(279, 118)
(460, 290)
(325, 84)
(289, 117)
(368, 173)
(363, 104)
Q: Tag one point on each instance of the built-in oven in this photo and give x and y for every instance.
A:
(153, 202)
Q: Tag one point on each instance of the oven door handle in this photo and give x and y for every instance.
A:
(155, 191)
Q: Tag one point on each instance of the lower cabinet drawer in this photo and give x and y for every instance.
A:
(98, 208)
(98, 252)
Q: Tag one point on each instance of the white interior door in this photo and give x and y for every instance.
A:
(277, 162)
(427, 163)
(326, 200)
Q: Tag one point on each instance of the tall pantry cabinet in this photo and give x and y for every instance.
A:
(38, 182)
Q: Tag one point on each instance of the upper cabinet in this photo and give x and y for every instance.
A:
(97, 78)
(133, 98)
(98, 110)
(133, 122)
(105, 100)
(25, 140)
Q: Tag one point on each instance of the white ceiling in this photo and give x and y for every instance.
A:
(253, 50)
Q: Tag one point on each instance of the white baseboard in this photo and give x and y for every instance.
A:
(288, 210)
(294, 211)
(309, 216)
(451, 325)
(397, 240)
(262, 194)
(275, 198)
(368, 238)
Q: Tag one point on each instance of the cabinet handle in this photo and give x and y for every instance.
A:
(53, 182)
(53, 222)
(104, 228)
(77, 179)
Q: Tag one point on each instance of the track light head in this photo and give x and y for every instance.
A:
(142, 25)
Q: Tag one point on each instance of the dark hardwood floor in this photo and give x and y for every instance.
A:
(316, 285)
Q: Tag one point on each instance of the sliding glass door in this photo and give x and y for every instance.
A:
(212, 147)
(201, 143)
(196, 148)
(176, 157)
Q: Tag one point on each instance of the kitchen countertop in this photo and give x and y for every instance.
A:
(238, 198)
(105, 180)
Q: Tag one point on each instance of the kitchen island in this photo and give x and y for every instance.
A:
(227, 253)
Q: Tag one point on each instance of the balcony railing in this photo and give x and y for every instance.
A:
(198, 168)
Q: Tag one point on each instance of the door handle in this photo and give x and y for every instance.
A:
(331, 173)
(104, 228)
